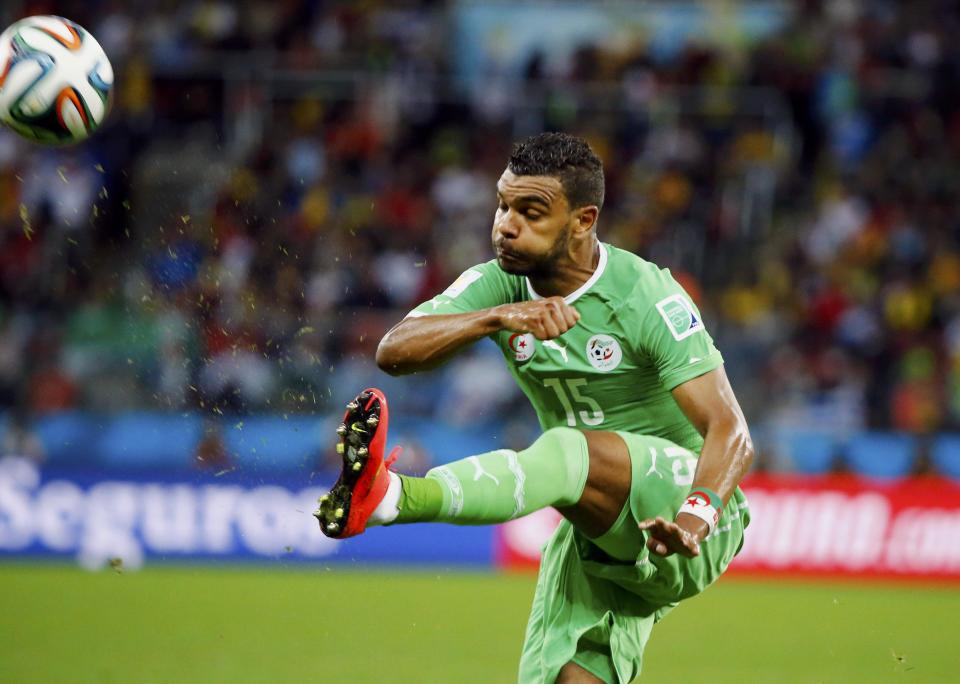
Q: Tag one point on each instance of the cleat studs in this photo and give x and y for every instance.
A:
(357, 466)
(372, 421)
(362, 451)
(338, 513)
(340, 448)
(353, 406)
(341, 429)
(324, 499)
(333, 527)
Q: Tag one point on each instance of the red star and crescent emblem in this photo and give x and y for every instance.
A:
(521, 344)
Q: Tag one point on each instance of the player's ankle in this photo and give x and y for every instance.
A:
(387, 510)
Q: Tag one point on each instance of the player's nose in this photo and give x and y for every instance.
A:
(506, 226)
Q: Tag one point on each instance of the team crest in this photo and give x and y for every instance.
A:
(523, 345)
(604, 353)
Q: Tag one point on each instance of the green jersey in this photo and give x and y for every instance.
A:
(638, 337)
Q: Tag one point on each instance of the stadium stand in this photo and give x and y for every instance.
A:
(882, 455)
(140, 440)
(773, 185)
(808, 452)
(945, 455)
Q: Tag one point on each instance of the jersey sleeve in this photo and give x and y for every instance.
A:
(673, 335)
(479, 287)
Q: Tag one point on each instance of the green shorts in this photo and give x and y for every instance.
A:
(597, 599)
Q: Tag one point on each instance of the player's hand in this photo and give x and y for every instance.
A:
(665, 537)
(544, 318)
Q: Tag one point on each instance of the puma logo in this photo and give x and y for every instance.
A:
(479, 472)
(653, 464)
(552, 344)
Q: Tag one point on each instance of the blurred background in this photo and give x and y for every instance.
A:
(188, 299)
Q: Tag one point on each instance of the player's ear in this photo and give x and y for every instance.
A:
(585, 218)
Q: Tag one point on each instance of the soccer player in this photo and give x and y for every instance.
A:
(628, 388)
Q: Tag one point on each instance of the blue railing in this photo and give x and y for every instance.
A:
(298, 444)
(294, 444)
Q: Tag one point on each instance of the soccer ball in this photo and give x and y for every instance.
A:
(55, 80)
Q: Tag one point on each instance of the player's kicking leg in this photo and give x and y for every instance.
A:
(586, 477)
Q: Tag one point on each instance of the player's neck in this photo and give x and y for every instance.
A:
(571, 272)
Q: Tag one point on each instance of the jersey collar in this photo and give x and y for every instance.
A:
(573, 296)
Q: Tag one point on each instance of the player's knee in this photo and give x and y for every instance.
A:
(560, 435)
(562, 441)
(567, 448)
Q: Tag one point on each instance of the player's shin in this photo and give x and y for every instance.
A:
(499, 485)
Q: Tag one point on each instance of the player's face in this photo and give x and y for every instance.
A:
(531, 228)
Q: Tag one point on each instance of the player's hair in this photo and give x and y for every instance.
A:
(565, 157)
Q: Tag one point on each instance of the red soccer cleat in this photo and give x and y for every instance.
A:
(363, 480)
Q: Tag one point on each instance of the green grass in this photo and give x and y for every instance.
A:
(200, 624)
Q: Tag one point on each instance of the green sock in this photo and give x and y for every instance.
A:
(500, 485)
(421, 499)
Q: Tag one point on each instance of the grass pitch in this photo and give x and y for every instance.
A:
(207, 624)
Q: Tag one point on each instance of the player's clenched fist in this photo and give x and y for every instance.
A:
(544, 318)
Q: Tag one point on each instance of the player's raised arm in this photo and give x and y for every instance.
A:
(422, 341)
(708, 401)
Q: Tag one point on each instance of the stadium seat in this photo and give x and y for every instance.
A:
(945, 455)
(882, 455)
(68, 438)
(278, 444)
(808, 452)
(144, 440)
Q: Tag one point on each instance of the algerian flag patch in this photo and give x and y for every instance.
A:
(679, 315)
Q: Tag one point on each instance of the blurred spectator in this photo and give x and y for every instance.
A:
(19, 439)
(211, 453)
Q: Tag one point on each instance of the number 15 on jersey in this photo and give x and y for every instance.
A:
(570, 398)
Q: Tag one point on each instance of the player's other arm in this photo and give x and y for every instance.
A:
(421, 342)
(709, 403)
(690, 366)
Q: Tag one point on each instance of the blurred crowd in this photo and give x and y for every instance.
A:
(800, 186)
